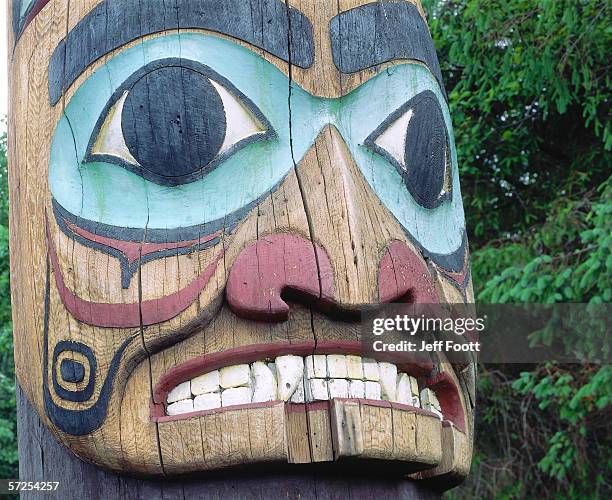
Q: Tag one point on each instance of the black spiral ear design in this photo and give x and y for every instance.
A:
(73, 372)
(76, 422)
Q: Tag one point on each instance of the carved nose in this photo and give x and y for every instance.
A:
(358, 255)
(276, 268)
(347, 219)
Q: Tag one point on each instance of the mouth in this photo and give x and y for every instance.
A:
(301, 375)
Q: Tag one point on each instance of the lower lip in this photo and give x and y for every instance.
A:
(289, 407)
(247, 354)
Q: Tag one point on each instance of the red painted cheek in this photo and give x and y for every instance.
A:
(403, 274)
(279, 265)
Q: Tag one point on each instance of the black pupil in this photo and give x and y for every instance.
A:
(173, 123)
(425, 153)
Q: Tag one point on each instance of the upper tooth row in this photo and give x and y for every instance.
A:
(296, 379)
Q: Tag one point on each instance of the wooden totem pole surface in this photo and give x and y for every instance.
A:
(204, 194)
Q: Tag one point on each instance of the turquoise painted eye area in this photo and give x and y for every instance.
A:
(100, 171)
(174, 121)
(415, 140)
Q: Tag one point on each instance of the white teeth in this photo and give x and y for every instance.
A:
(299, 395)
(320, 365)
(372, 390)
(370, 370)
(430, 402)
(336, 366)
(181, 391)
(309, 367)
(290, 371)
(316, 390)
(414, 389)
(236, 396)
(234, 376)
(354, 367)
(338, 388)
(208, 401)
(184, 406)
(264, 382)
(388, 380)
(300, 380)
(209, 382)
(404, 392)
(356, 389)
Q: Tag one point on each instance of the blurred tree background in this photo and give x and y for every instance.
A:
(528, 84)
(529, 91)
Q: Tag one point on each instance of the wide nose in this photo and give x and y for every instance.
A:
(345, 218)
(358, 253)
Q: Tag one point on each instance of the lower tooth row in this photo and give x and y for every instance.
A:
(300, 380)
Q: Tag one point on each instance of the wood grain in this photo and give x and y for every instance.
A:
(322, 224)
(41, 458)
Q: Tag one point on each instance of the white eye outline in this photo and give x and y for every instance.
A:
(393, 139)
(389, 141)
(245, 124)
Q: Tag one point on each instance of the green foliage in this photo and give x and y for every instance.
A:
(575, 404)
(528, 84)
(8, 428)
(569, 258)
(543, 432)
(529, 91)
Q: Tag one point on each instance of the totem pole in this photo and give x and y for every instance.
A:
(204, 194)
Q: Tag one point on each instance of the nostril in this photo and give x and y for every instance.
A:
(258, 286)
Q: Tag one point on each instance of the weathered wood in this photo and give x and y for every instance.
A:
(216, 189)
(386, 31)
(41, 458)
(114, 23)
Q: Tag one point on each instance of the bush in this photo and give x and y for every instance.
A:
(528, 86)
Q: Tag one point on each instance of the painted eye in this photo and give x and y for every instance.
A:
(415, 140)
(173, 122)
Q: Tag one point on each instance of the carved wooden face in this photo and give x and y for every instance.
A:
(204, 194)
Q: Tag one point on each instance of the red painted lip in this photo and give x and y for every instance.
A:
(293, 408)
(447, 391)
(130, 315)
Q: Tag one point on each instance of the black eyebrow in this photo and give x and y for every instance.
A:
(379, 32)
(267, 24)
